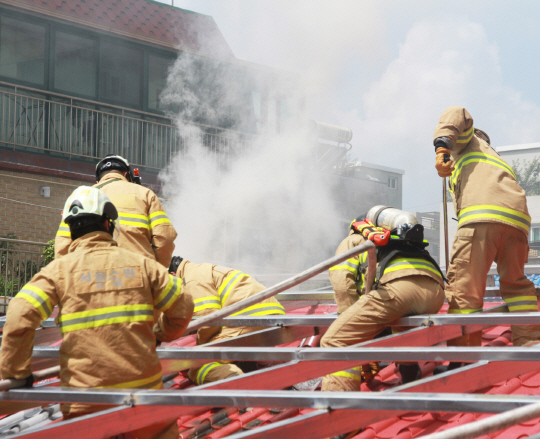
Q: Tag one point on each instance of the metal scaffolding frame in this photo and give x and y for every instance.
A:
(332, 412)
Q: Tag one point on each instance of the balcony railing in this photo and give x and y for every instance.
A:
(67, 126)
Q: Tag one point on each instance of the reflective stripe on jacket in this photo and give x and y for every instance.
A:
(483, 186)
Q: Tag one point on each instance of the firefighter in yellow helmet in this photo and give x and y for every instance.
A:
(214, 287)
(146, 229)
(408, 282)
(493, 225)
(106, 297)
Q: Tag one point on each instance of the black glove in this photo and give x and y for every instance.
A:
(175, 263)
(158, 343)
(443, 142)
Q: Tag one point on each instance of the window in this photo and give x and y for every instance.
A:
(158, 70)
(535, 234)
(121, 73)
(392, 182)
(75, 68)
(22, 50)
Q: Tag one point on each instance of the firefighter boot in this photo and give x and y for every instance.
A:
(409, 372)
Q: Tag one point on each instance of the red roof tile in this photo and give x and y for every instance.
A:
(171, 26)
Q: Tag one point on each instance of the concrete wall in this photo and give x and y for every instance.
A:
(25, 212)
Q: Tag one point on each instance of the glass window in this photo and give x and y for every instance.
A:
(158, 70)
(535, 234)
(75, 67)
(392, 182)
(121, 73)
(22, 50)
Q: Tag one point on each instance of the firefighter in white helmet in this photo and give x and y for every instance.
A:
(106, 297)
(146, 229)
(408, 282)
(214, 287)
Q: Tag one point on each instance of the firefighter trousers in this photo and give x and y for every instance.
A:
(372, 313)
(475, 248)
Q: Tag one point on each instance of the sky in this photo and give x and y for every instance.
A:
(387, 69)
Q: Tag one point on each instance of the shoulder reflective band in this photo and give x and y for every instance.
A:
(464, 311)
(228, 284)
(465, 136)
(158, 218)
(153, 382)
(63, 230)
(203, 371)
(410, 263)
(261, 309)
(110, 315)
(133, 220)
(487, 212)
(37, 298)
(170, 293)
(521, 303)
(354, 373)
(209, 302)
(479, 157)
(351, 265)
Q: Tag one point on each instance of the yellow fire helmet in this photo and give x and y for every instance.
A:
(85, 205)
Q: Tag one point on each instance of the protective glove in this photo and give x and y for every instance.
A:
(445, 167)
(378, 235)
(370, 370)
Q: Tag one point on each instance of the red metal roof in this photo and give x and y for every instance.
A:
(141, 18)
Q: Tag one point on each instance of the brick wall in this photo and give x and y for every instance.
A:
(25, 212)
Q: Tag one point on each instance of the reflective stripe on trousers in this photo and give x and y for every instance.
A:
(106, 316)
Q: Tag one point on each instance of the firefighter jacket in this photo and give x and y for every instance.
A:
(484, 187)
(348, 277)
(144, 226)
(106, 296)
(214, 287)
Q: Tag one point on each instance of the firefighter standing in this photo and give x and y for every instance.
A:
(106, 297)
(146, 229)
(409, 282)
(214, 287)
(493, 225)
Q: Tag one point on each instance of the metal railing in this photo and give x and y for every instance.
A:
(19, 261)
(68, 126)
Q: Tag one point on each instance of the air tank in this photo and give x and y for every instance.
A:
(333, 133)
(390, 218)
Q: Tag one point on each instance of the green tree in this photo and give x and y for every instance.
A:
(48, 252)
(528, 175)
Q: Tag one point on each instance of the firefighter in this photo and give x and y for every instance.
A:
(106, 296)
(146, 229)
(408, 282)
(493, 225)
(213, 287)
(346, 280)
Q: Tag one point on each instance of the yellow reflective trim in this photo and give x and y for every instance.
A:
(160, 221)
(347, 375)
(213, 303)
(207, 306)
(344, 267)
(108, 321)
(463, 311)
(133, 224)
(523, 308)
(62, 233)
(109, 309)
(493, 216)
(175, 286)
(35, 302)
(137, 383)
(133, 215)
(158, 213)
(229, 284)
(473, 157)
(410, 266)
(261, 306)
(203, 371)
(465, 136)
(520, 299)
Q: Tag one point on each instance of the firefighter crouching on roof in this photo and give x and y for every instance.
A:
(145, 226)
(493, 225)
(347, 282)
(106, 296)
(408, 282)
(213, 287)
